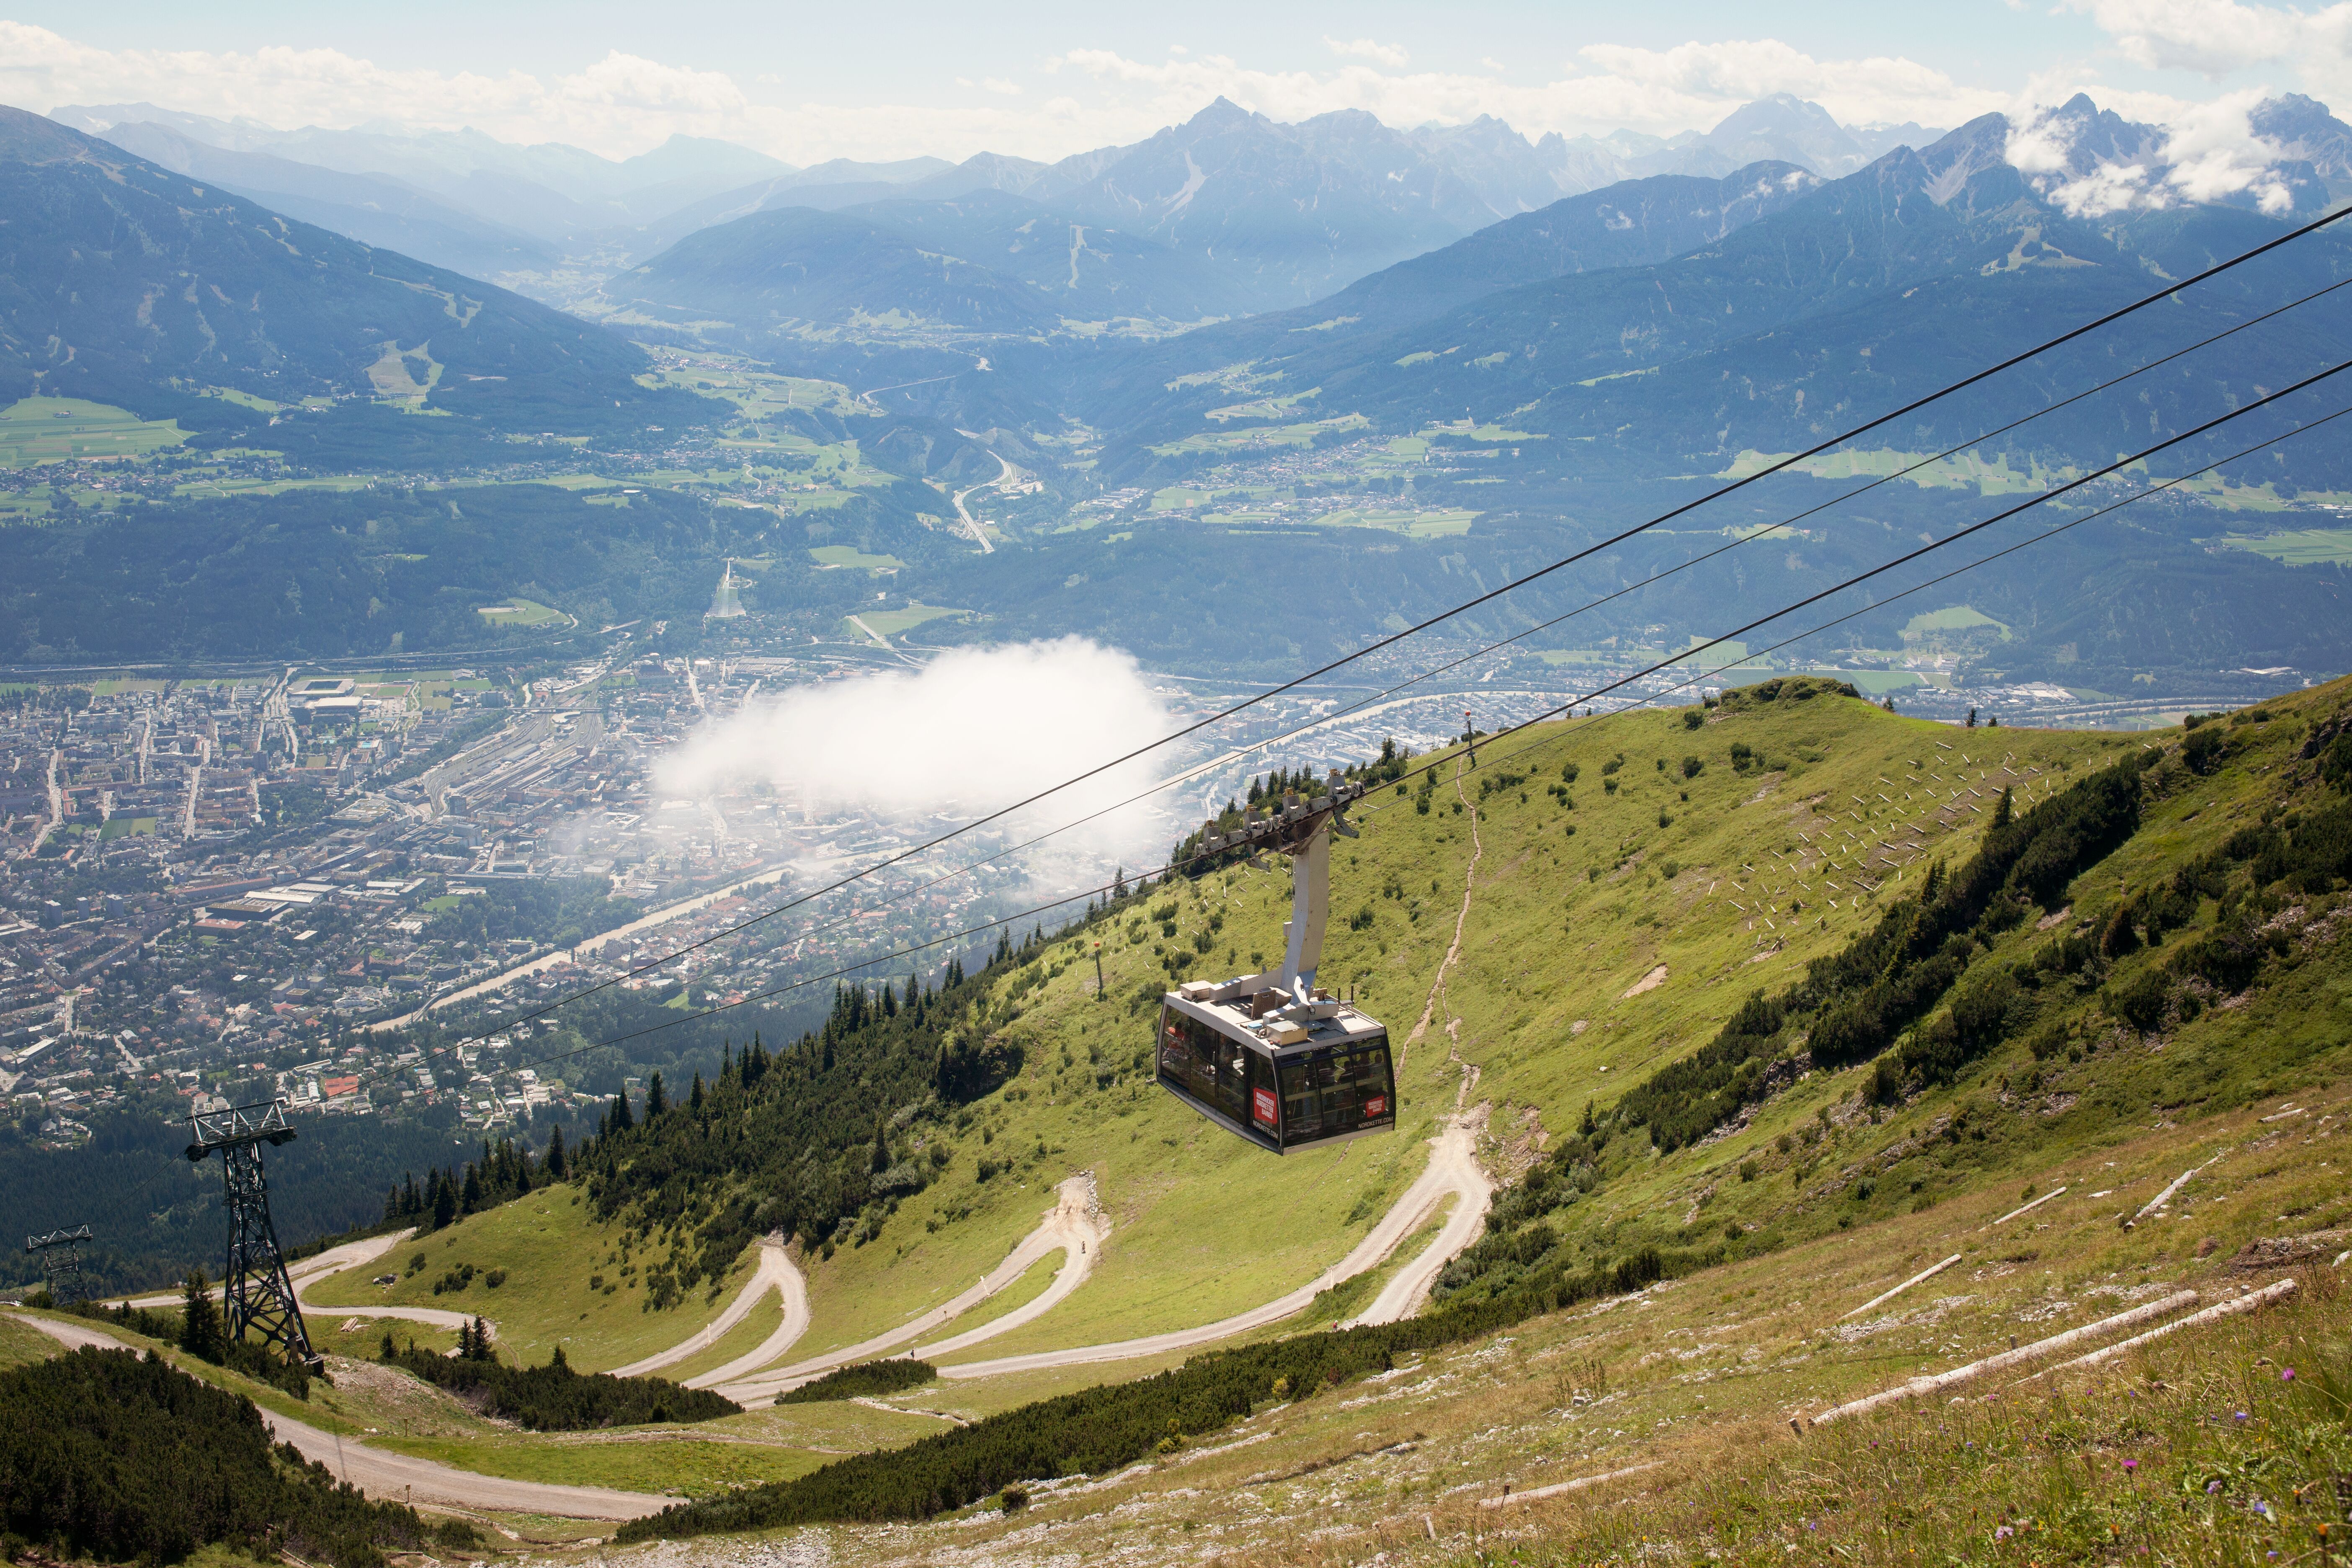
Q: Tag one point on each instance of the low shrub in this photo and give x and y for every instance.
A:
(866, 1379)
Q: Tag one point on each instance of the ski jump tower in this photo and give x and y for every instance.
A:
(254, 1286)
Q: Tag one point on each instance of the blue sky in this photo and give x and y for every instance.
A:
(805, 82)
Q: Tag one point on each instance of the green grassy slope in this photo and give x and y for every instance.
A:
(2112, 1076)
(1556, 1001)
(550, 1250)
(1560, 926)
(1696, 1379)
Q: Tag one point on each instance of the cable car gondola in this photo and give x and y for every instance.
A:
(1271, 1057)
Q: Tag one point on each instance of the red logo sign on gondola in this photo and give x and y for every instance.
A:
(1262, 1103)
(1377, 1106)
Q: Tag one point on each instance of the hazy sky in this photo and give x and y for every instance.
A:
(807, 83)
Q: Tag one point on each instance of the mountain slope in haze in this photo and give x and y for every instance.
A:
(984, 262)
(798, 266)
(1778, 128)
(376, 210)
(1090, 273)
(828, 186)
(1296, 210)
(1624, 225)
(124, 283)
(550, 191)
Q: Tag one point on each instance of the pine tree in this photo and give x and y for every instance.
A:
(2003, 810)
(694, 1101)
(889, 1000)
(472, 1202)
(559, 1360)
(444, 1202)
(412, 1202)
(881, 1146)
(201, 1334)
(392, 1202)
(555, 1154)
(656, 1101)
(622, 1120)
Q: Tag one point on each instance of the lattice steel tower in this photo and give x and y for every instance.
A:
(60, 1256)
(255, 1289)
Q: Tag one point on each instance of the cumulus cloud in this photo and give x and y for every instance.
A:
(971, 732)
(1391, 55)
(2204, 151)
(626, 103)
(2218, 37)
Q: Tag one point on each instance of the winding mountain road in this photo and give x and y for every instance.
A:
(1453, 1168)
(774, 1272)
(307, 1271)
(1071, 1227)
(402, 1478)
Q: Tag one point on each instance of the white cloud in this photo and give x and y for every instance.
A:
(2209, 150)
(1391, 55)
(971, 732)
(2214, 153)
(625, 103)
(2218, 37)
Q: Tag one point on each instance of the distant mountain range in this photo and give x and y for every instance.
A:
(1280, 214)
(126, 282)
(1763, 312)
(1403, 274)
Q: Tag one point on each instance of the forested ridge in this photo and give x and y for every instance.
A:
(121, 1458)
(819, 1139)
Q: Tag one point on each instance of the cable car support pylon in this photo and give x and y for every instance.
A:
(255, 1289)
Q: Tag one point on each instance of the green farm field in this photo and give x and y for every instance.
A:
(890, 623)
(2298, 546)
(36, 430)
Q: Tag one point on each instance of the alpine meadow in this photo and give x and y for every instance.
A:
(1549, 787)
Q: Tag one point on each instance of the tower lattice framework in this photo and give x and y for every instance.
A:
(60, 1256)
(256, 1292)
